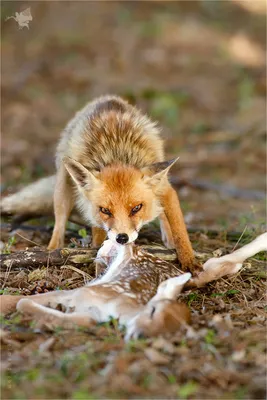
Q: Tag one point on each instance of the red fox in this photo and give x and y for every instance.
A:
(110, 166)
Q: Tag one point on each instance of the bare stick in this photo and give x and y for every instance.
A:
(36, 258)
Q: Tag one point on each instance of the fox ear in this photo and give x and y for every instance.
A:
(154, 173)
(81, 175)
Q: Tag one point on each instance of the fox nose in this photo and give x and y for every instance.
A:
(122, 238)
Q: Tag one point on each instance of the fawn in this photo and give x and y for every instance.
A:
(137, 288)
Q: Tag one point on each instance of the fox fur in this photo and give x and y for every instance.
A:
(111, 169)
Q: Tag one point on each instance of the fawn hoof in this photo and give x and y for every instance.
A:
(25, 305)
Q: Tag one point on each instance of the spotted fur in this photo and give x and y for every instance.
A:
(137, 288)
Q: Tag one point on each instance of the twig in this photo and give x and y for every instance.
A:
(7, 273)
(28, 240)
(242, 234)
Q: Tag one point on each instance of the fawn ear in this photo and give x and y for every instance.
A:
(155, 173)
(170, 288)
(82, 176)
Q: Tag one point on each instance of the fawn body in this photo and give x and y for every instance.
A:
(131, 280)
(137, 288)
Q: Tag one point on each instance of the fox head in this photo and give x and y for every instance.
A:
(120, 198)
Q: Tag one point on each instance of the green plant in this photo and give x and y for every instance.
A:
(10, 243)
(186, 390)
(82, 232)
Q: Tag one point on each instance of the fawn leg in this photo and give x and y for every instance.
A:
(53, 299)
(63, 204)
(8, 303)
(54, 318)
(166, 233)
(175, 218)
(229, 264)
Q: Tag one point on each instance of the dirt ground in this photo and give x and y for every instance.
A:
(199, 69)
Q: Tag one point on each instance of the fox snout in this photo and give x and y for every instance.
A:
(122, 238)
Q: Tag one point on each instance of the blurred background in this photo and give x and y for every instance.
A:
(198, 67)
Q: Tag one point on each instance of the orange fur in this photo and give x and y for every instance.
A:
(121, 189)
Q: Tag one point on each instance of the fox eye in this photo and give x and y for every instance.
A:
(136, 209)
(105, 211)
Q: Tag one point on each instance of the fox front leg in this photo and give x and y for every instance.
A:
(63, 205)
(180, 236)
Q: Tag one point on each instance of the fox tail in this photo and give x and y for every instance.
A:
(35, 199)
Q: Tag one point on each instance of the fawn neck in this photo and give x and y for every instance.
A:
(115, 266)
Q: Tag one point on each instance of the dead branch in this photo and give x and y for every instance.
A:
(36, 258)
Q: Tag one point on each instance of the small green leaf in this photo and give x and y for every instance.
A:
(83, 394)
(232, 291)
(171, 379)
(210, 336)
(192, 297)
(82, 233)
(187, 389)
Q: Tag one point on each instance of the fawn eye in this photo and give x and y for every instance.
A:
(105, 211)
(152, 312)
(136, 209)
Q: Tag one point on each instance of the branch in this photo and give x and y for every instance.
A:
(36, 258)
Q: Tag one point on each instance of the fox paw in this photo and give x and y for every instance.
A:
(195, 267)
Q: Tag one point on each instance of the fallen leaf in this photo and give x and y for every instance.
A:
(156, 357)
